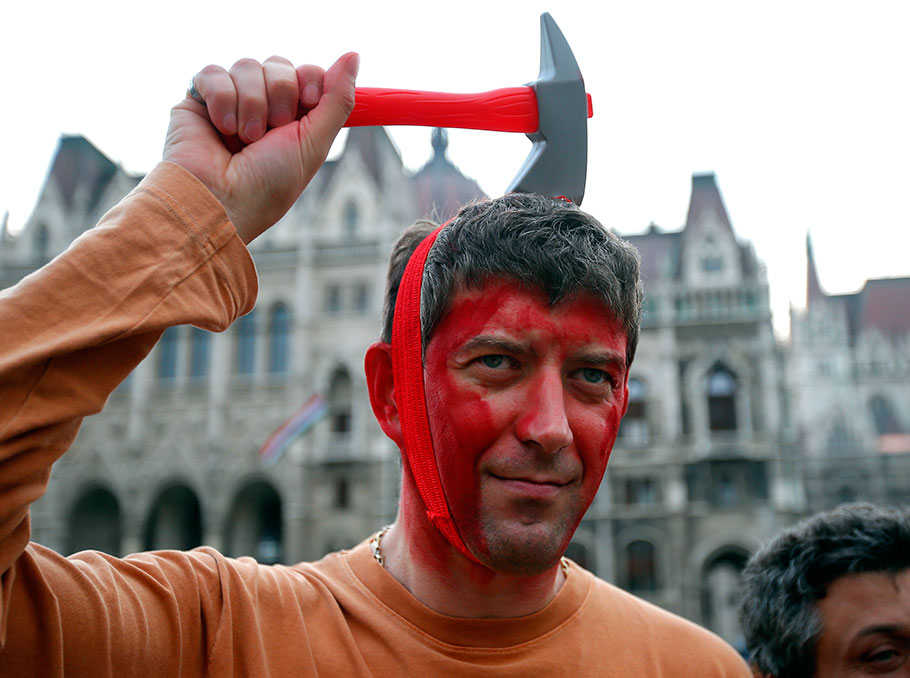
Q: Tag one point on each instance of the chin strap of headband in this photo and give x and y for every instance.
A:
(410, 396)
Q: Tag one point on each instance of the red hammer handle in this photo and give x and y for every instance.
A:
(511, 109)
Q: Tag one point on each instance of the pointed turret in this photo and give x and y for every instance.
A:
(706, 205)
(814, 292)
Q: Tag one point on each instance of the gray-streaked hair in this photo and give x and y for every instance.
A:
(783, 581)
(545, 243)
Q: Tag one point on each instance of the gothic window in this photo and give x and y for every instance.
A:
(41, 242)
(883, 416)
(166, 367)
(361, 298)
(641, 566)
(200, 352)
(279, 338)
(712, 260)
(340, 402)
(639, 491)
(245, 344)
(721, 399)
(342, 493)
(332, 302)
(634, 427)
(350, 218)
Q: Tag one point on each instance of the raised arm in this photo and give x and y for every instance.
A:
(168, 254)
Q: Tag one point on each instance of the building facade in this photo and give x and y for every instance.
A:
(718, 451)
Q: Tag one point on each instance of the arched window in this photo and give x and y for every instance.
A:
(200, 352)
(245, 346)
(279, 339)
(41, 242)
(721, 399)
(254, 526)
(641, 566)
(883, 416)
(350, 218)
(95, 523)
(634, 429)
(175, 520)
(340, 402)
(166, 367)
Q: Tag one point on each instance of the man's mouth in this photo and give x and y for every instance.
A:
(531, 486)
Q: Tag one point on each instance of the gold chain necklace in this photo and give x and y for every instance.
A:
(376, 550)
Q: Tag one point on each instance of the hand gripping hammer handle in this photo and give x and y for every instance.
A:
(510, 109)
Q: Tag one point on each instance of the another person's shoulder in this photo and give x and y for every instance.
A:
(678, 645)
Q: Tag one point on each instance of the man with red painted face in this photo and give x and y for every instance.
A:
(501, 373)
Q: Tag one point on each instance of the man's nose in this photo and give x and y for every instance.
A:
(543, 418)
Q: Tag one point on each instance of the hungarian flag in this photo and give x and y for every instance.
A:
(298, 423)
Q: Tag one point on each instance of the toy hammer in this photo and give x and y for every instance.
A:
(552, 111)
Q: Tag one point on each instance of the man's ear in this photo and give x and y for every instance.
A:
(381, 386)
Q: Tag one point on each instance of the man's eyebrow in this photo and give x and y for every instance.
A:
(886, 629)
(601, 357)
(493, 342)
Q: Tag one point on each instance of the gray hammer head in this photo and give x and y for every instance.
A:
(557, 164)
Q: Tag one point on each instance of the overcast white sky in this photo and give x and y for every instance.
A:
(802, 109)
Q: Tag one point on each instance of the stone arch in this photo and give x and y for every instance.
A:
(582, 549)
(174, 520)
(95, 522)
(720, 585)
(255, 523)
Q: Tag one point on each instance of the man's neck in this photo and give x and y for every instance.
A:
(419, 557)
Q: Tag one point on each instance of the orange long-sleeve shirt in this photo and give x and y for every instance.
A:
(68, 335)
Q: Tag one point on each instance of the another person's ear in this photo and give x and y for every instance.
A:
(381, 386)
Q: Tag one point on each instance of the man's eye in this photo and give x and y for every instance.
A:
(594, 376)
(886, 657)
(493, 361)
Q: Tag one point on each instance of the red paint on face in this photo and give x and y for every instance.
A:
(524, 401)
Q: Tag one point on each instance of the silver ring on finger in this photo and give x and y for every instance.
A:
(193, 93)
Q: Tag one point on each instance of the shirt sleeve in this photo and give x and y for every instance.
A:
(71, 332)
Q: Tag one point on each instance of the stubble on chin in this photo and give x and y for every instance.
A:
(524, 550)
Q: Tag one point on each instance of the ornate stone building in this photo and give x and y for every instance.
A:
(707, 466)
(849, 373)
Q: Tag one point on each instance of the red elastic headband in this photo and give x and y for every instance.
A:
(410, 396)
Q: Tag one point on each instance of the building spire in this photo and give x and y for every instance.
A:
(440, 141)
(814, 293)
